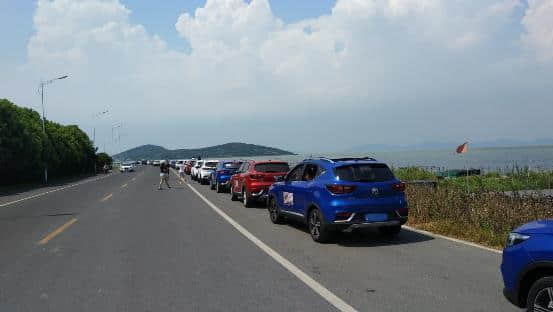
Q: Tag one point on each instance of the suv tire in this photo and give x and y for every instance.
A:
(538, 294)
(390, 231)
(274, 213)
(317, 228)
(233, 195)
(247, 201)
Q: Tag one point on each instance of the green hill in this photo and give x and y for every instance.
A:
(225, 150)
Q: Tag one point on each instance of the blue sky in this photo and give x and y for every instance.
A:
(368, 71)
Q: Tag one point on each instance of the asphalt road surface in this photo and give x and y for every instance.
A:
(116, 243)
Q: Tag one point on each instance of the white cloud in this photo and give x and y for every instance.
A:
(365, 55)
(538, 22)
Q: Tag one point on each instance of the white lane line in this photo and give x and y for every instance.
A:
(459, 241)
(338, 303)
(52, 191)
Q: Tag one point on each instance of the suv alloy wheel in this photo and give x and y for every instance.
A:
(245, 199)
(318, 230)
(274, 212)
(540, 296)
(233, 195)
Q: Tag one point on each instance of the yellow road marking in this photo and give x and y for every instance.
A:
(107, 197)
(124, 185)
(56, 232)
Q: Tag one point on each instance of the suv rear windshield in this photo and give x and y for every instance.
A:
(231, 165)
(211, 164)
(272, 167)
(364, 173)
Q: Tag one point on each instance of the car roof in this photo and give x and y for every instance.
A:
(337, 162)
(267, 161)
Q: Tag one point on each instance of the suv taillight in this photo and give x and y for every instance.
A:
(256, 176)
(400, 187)
(340, 189)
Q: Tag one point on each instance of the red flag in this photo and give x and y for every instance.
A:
(463, 148)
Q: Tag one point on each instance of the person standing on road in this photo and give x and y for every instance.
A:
(164, 174)
(181, 172)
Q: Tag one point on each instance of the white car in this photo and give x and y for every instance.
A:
(180, 163)
(205, 171)
(126, 167)
(196, 169)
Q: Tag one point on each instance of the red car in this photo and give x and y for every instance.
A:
(188, 166)
(252, 180)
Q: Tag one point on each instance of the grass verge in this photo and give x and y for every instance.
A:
(481, 217)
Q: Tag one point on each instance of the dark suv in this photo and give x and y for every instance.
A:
(340, 194)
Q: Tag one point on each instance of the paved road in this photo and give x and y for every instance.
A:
(119, 244)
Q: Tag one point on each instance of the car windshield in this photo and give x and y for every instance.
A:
(364, 173)
(272, 167)
(211, 164)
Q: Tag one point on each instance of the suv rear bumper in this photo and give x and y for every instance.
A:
(372, 225)
(356, 224)
(260, 195)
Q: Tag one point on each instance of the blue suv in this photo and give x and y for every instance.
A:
(340, 195)
(220, 179)
(527, 266)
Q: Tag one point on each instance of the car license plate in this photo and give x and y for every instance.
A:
(376, 217)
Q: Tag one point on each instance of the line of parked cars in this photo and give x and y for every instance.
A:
(344, 194)
(329, 195)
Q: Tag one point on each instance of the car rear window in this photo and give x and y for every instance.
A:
(232, 165)
(272, 167)
(364, 173)
(212, 164)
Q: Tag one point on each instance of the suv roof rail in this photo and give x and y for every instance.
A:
(353, 159)
(318, 158)
(334, 160)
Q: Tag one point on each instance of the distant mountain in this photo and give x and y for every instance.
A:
(225, 150)
(447, 145)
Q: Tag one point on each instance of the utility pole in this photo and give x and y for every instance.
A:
(41, 90)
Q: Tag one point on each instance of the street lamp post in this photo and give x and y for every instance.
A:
(98, 115)
(119, 125)
(41, 90)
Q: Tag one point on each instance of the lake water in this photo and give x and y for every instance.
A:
(501, 159)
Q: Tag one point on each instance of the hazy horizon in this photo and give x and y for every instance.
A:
(429, 146)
